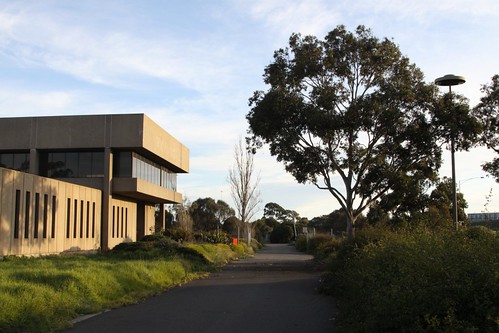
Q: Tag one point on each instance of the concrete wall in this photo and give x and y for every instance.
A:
(40, 215)
(122, 222)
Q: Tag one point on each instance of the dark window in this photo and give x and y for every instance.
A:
(54, 201)
(72, 164)
(81, 218)
(45, 215)
(17, 211)
(16, 161)
(123, 164)
(112, 227)
(93, 219)
(37, 215)
(117, 222)
(88, 219)
(7, 160)
(85, 164)
(126, 222)
(97, 164)
(68, 220)
(122, 222)
(27, 207)
(75, 221)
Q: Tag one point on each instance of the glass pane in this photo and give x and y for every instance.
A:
(7, 160)
(72, 164)
(57, 165)
(85, 164)
(98, 164)
(125, 164)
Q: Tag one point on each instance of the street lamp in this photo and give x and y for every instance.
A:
(450, 80)
(465, 180)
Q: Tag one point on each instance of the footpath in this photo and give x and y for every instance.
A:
(276, 291)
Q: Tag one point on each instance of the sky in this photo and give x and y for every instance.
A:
(191, 66)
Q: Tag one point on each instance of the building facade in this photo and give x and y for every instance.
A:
(63, 175)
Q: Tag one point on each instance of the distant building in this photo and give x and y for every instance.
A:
(483, 217)
(83, 182)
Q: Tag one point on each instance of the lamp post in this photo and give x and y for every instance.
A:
(450, 80)
(465, 180)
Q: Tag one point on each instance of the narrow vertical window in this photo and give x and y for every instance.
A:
(126, 222)
(37, 215)
(117, 221)
(45, 215)
(122, 222)
(88, 220)
(112, 232)
(54, 201)
(27, 205)
(75, 221)
(17, 209)
(93, 219)
(68, 220)
(81, 218)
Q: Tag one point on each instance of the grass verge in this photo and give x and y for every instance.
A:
(46, 294)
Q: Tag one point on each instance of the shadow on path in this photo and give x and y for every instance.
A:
(276, 291)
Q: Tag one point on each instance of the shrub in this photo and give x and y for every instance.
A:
(178, 234)
(212, 237)
(315, 241)
(301, 243)
(417, 282)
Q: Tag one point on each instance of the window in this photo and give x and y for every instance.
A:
(88, 220)
(68, 219)
(75, 220)
(16, 161)
(54, 201)
(45, 215)
(27, 206)
(37, 215)
(72, 164)
(93, 219)
(81, 218)
(17, 209)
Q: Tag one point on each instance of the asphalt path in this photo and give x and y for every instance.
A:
(276, 291)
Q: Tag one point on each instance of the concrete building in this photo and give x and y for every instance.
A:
(83, 182)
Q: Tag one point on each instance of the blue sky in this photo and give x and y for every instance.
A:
(192, 65)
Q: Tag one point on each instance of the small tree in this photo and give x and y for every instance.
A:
(487, 112)
(243, 185)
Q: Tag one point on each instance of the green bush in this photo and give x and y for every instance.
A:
(212, 237)
(315, 241)
(301, 243)
(178, 234)
(417, 282)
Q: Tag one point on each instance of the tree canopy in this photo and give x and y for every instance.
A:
(350, 106)
(487, 111)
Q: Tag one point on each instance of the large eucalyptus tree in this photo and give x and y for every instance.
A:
(349, 114)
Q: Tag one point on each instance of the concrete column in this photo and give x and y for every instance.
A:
(106, 197)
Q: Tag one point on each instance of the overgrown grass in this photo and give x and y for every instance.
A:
(418, 281)
(45, 294)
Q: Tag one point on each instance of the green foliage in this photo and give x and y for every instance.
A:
(420, 281)
(349, 106)
(282, 233)
(179, 234)
(487, 113)
(301, 243)
(212, 237)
